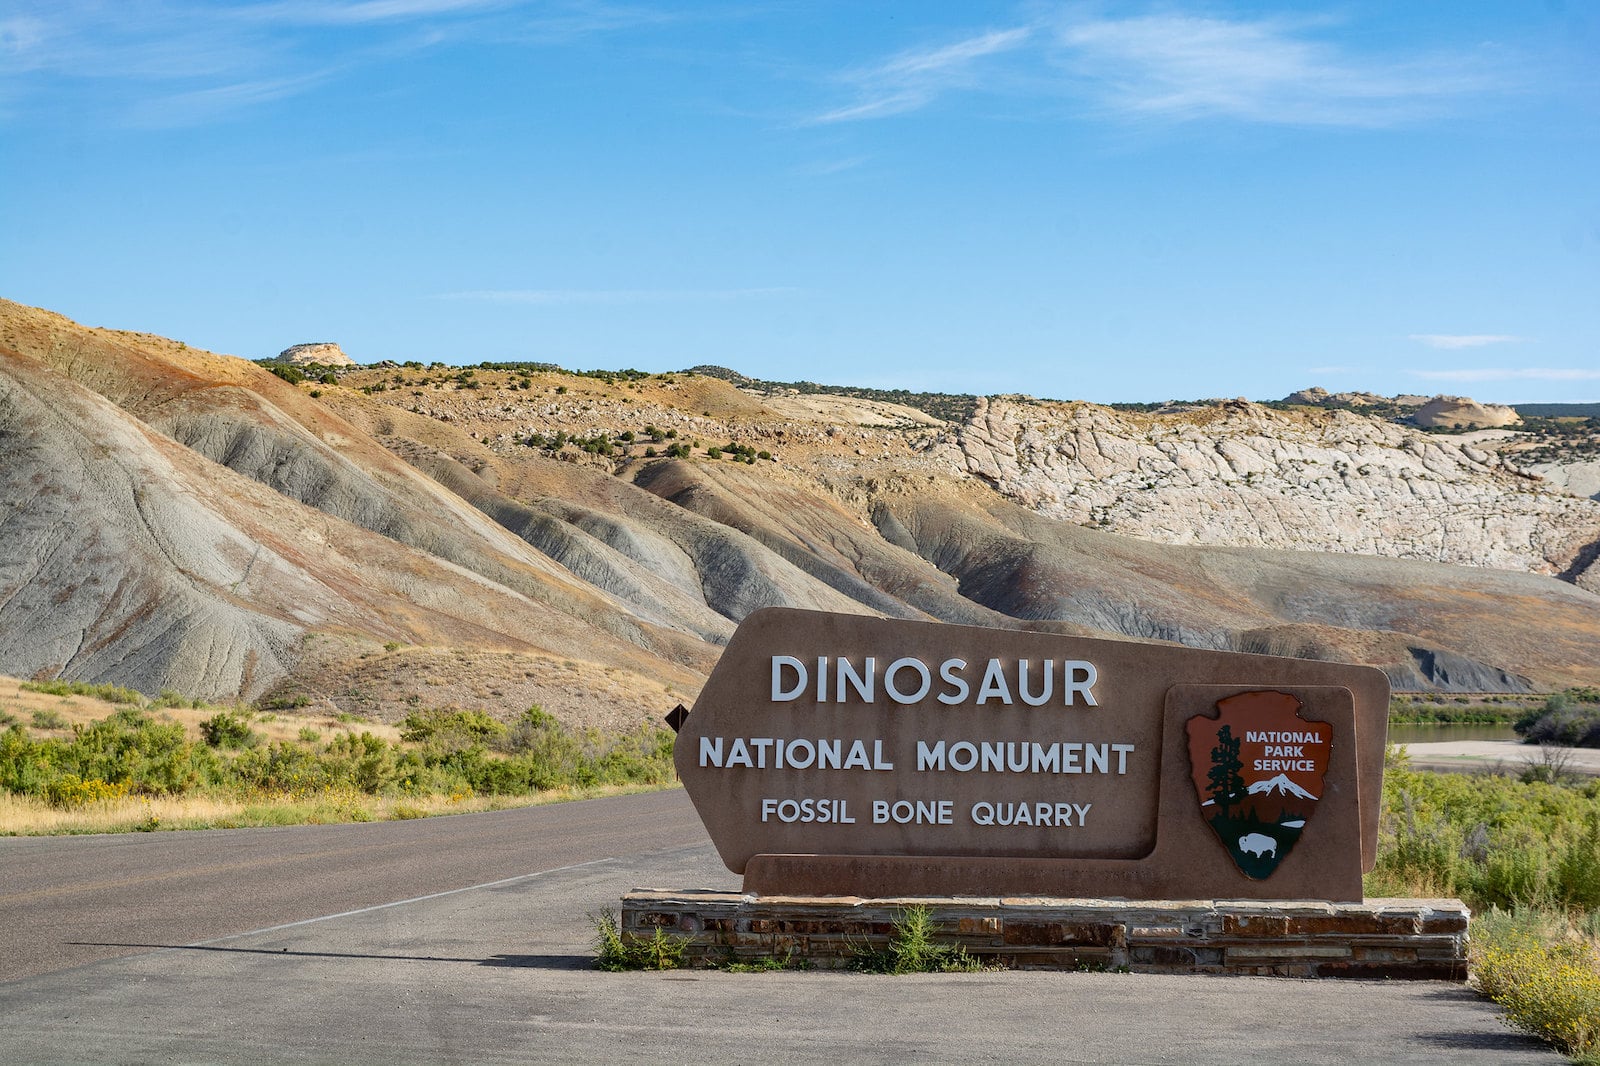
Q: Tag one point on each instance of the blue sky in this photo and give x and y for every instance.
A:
(1096, 201)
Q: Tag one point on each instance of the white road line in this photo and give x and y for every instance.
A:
(400, 902)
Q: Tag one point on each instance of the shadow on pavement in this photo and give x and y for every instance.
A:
(1506, 1041)
(542, 962)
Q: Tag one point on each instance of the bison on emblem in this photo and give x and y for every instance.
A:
(1258, 844)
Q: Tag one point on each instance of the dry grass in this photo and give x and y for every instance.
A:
(28, 816)
(386, 686)
(81, 710)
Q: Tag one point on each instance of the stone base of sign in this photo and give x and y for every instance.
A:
(1423, 939)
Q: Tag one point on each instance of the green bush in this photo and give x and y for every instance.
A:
(48, 719)
(363, 761)
(450, 728)
(1570, 718)
(228, 729)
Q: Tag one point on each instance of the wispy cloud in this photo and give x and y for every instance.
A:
(179, 62)
(1179, 68)
(615, 296)
(334, 13)
(1184, 67)
(203, 105)
(911, 80)
(1451, 341)
(1510, 374)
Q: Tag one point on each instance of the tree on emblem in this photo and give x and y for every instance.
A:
(1225, 774)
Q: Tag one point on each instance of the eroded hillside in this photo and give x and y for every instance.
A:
(494, 537)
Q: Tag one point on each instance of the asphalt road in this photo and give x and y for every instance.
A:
(65, 901)
(467, 940)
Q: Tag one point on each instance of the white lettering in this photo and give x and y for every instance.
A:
(1273, 736)
(1020, 756)
(922, 672)
(994, 684)
(1022, 683)
(950, 673)
(790, 678)
(1073, 687)
(862, 685)
(779, 693)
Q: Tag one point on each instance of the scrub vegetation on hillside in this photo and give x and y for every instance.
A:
(121, 771)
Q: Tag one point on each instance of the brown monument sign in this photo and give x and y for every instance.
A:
(845, 755)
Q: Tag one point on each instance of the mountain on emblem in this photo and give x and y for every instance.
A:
(1280, 785)
(1258, 769)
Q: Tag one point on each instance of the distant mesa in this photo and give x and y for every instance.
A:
(323, 353)
(1310, 397)
(1319, 397)
(1461, 412)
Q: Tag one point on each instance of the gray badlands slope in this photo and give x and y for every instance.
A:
(175, 519)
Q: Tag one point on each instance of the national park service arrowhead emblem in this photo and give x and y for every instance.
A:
(1258, 773)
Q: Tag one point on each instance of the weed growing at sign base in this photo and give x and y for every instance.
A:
(613, 952)
(913, 949)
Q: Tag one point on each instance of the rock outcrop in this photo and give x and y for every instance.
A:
(1241, 474)
(322, 353)
(1462, 412)
(1320, 397)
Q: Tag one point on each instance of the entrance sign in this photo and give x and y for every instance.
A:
(835, 754)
